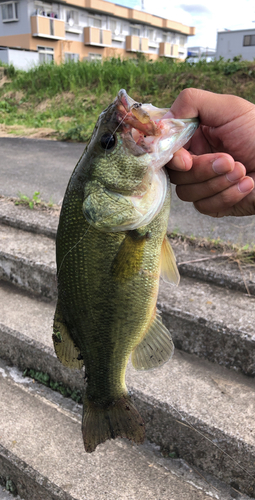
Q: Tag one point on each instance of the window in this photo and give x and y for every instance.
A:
(152, 35)
(167, 37)
(182, 41)
(113, 25)
(9, 11)
(95, 22)
(248, 40)
(135, 30)
(116, 29)
(71, 57)
(46, 54)
(94, 57)
(72, 17)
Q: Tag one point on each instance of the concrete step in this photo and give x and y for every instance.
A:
(184, 398)
(42, 455)
(221, 268)
(211, 321)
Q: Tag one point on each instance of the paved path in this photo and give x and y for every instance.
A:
(29, 165)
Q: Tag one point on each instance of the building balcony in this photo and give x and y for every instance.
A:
(97, 37)
(47, 27)
(168, 49)
(71, 27)
(135, 43)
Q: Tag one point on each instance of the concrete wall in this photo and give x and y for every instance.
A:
(230, 44)
(21, 59)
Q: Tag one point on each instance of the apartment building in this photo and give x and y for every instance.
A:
(86, 29)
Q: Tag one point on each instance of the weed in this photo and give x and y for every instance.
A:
(243, 255)
(45, 379)
(25, 200)
(69, 97)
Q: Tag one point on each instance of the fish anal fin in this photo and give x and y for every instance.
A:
(65, 349)
(155, 349)
(120, 419)
(128, 260)
(168, 267)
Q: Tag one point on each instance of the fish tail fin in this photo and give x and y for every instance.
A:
(120, 419)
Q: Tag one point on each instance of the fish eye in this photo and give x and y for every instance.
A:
(108, 141)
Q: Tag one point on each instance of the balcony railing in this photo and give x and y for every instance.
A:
(97, 37)
(136, 43)
(168, 49)
(47, 27)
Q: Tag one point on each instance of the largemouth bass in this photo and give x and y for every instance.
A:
(111, 248)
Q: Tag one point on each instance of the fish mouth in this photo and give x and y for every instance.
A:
(151, 129)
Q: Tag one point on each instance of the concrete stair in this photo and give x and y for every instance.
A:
(199, 407)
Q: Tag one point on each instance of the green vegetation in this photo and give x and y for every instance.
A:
(45, 379)
(65, 100)
(241, 254)
(25, 200)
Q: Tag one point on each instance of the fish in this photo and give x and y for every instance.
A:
(111, 249)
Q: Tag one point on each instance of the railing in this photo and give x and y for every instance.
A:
(97, 37)
(47, 27)
(168, 49)
(136, 43)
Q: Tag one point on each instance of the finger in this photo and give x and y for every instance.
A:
(199, 191)
(205, 167)
(213, 109)
(230, 201)
(182, 160)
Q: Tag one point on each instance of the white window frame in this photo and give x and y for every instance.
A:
(117, 33)
(72, 21)
(94, 56)
(72, 14)
(91, 20)
(14, 11)
(45, 51)
(135, 27)
(71, 56)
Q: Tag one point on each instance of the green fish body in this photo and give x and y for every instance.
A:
(111, 247)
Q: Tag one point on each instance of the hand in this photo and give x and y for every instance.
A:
(212, 171)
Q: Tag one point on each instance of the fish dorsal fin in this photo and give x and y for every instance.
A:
(168, 268)
(155, 348)
(64, 346)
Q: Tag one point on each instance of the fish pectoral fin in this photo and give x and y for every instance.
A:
(155, 349)
(128, 260)
(168, 267)
(65, 349)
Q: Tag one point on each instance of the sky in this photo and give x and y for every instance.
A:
(207, 17)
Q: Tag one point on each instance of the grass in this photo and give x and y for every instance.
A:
(241, 254)
(30, 202)
(66, 99)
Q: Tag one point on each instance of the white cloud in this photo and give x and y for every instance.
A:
(208, 17)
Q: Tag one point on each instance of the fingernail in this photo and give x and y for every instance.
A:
(178, 162)
(234, 176)
(245, 185)
(221, 166)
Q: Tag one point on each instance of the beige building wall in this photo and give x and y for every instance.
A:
(95, 40)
